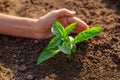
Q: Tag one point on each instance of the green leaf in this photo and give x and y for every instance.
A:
(69, 28)
(46, 54)
(57, 29)
(65, 48)
(71, 39)
(54, 42)
(73, 48)
(88, 34)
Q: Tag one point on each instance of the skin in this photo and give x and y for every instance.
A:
(39, 28)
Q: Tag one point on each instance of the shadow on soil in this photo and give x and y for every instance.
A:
(114, 4)
(60, 68)
(21, 55)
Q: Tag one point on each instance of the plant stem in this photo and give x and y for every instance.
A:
(69, 57)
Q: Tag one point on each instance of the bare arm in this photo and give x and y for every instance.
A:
(38, 28)
(16, 26)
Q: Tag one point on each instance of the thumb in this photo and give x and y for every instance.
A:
(64, 13)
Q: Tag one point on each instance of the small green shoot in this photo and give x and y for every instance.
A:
(65, 43)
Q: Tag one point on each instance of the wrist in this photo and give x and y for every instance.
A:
(36, 30)
(29, 29)
(33, 29)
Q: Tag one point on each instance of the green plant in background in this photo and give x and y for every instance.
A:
(65, 43)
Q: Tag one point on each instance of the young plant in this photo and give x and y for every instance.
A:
(65, 43)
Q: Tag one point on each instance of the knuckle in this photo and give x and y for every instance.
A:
(64, 9)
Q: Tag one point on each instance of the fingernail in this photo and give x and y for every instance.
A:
(73, 12)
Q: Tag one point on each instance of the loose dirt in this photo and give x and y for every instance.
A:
(96, 59)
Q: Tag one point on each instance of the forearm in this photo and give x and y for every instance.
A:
(16, 26)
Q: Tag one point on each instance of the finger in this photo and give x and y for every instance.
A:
(63, 21)
(81, 25)
(64, 13)
(49, 36)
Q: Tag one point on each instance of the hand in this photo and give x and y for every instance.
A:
(42, 27)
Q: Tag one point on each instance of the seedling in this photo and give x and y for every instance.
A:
(65, 43)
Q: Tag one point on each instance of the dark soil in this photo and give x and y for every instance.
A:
(96, 59)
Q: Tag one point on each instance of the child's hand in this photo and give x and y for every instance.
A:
(42, 27)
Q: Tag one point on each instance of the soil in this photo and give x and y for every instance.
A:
(96, 59)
